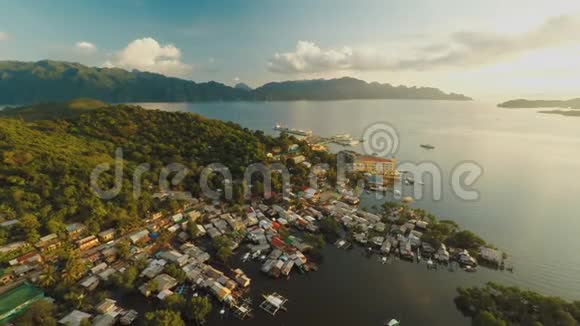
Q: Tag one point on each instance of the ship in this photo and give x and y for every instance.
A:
(427, 146)
(299, 132)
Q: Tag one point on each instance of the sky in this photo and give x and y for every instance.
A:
(492, 49)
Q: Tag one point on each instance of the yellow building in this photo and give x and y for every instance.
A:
(375, 165)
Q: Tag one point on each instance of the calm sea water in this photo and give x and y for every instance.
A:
(528, 205)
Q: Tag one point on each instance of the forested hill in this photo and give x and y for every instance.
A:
(46, 164)
(33, 82)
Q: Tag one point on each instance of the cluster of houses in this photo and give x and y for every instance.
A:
(106, 313)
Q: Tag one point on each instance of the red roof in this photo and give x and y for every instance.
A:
(277, 242)
(276, 225)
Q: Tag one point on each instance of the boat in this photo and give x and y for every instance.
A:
(246, 257)
(470, 269)
(427, 146)
(392, 322)
(383, 260)
(299, 132)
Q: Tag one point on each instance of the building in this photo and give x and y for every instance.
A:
(48, 243)
(74, 318)
(140, 236)
(17, 300)
(164, 282)
(107, 235)
(12, 247)
(372, 164)
(87, 243)
(75, 230)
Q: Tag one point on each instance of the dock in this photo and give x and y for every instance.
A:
(316, 141)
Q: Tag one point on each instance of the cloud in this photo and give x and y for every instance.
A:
(4, 36)
(147, 54)
(86, 47)
(460, 49)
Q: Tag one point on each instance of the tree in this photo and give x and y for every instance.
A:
(74, 267)
(174, 302)
(176, 272)
(192, 229)
(48, 278)
(123, 248)
(329, 225)
(223, 246)
(485, 318)
(40, 312)
(198, 308)
(316, 241)
(163, 318)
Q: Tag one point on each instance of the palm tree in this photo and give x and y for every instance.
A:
(48, 278)
(74, 268)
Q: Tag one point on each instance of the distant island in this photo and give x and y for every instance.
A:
(569, 113)
(539, 104)
(42, 81)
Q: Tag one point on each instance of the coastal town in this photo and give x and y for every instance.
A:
(189, 252)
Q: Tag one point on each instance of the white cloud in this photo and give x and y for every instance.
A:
(4, 36)
(147, 54)
(86, 47)
(460, 49)
(236, 79)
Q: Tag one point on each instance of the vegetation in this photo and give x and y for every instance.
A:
(31, 82)
(40, 312)
(46, 166)
(495, 304)
(198, 308)
(223, 247)
(163, 318)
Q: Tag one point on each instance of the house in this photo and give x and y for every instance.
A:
(30, 258)
(12, 247)
(107, 235)
(139, 237)
(164, 282)
(87, 242)
(48, 243)
(90, 283)
(8, 224)
(104, 320)
(174, 257)
(107, 306)
(241, 278)
(75, 230)
(74, 318)
(128, 317)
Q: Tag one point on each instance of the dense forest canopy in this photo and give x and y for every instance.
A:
(32, 82)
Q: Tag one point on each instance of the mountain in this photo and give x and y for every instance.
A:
(535, 104)
(243, 86)
(33, 82)
(25, 82)
(347, 88)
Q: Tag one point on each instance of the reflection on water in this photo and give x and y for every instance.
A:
(528, 203)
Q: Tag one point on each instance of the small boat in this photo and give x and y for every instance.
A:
(383, 260)
(470, 269)
(427, 146)
(392, 322)
(246, 257)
